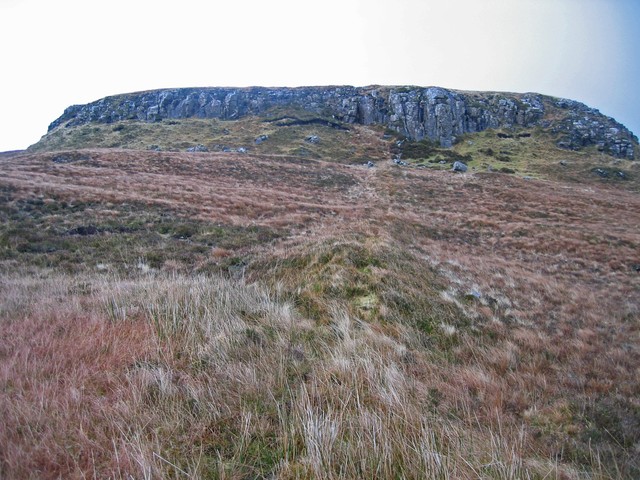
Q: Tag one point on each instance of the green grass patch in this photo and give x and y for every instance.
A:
(371, 280)
(279, 132)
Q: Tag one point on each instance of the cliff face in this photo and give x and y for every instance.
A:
(435, 113)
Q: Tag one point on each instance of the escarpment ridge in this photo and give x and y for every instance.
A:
(439, 114)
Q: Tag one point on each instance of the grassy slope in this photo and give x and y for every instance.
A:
(353, 144)
(523, 152)
(528, 153)
(226, 315)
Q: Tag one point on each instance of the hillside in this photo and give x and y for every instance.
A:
(417, 113)
(269, 306)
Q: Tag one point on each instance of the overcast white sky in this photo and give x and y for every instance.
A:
(57, 53)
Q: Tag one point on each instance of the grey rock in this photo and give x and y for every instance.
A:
(370, 164)
(198, 148)
(70, 157)
(242, 150)
(312, 139)
(459, 167)
(261, 139)
(583, 127)
(435, 113)
(63, 159)
(153, 114)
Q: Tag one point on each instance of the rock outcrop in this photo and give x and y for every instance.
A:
(436, 113)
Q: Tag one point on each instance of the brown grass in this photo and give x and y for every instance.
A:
(230, 187)
(201, 377)
(408, 323)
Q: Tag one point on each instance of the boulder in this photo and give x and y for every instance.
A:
(459, 167)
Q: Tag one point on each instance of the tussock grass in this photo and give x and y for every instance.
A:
(201, 377)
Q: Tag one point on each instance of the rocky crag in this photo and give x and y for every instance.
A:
(435, 113)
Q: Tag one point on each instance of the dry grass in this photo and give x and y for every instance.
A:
(203, 377)
(403, 323)
(230, 187)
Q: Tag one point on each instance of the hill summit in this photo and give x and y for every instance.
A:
(324, 282)
(417, 113)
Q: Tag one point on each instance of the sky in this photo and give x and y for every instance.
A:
(54, 54)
